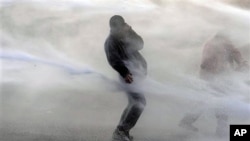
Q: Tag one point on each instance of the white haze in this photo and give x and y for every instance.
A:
(56, 84)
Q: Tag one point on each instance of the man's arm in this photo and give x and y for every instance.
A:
(116, 62)
(133, 40)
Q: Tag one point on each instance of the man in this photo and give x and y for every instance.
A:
(219, 56)
(122, 50)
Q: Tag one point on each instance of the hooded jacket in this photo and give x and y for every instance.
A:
(123, 51)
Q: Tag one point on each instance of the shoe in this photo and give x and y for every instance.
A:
(129, 136)
(120, 136)
(189, 127)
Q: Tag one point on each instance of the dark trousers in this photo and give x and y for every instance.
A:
(136, 104)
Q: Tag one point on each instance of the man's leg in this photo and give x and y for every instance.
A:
(131, 114)
(222, 124)
(188, 120)
(133, 111)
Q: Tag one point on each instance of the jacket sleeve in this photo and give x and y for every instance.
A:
(115, 60)
(134, 41)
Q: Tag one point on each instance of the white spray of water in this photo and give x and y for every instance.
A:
(56, 83)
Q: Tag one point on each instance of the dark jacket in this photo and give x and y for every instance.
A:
(121, 50)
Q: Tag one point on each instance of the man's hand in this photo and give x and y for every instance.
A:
(128, 78)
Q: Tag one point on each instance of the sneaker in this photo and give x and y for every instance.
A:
(129, 136)
(120, 136)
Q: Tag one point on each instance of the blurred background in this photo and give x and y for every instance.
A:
(56, 84)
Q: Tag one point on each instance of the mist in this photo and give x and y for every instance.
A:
(56, 83)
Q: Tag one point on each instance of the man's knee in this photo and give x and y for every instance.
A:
(137, 98)
(137, 101)
(140, 105)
